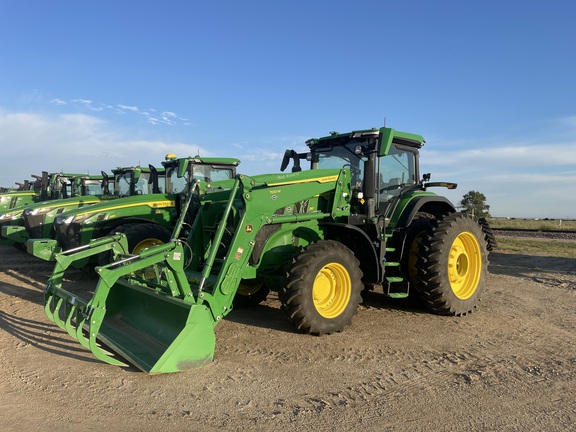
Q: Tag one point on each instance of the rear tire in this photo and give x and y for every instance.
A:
(414, 233)
(323, 289)
(488, 234)
(452, 265)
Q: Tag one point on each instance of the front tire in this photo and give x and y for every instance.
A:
(323, 289)
(146, 235)
(250, 293)
(452, 265)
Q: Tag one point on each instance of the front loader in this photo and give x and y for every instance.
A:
(361, 217)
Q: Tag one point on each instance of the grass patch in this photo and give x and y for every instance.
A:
(564, 249)
(531, 224)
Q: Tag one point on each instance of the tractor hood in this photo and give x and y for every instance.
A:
(120, 207)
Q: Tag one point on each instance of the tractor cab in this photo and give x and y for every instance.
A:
(136, 180)
(383, 163)
(93, 185)
(60, 186)
(180, 172)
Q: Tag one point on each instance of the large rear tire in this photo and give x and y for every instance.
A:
(419, 226)
(452, 265)
(488, 234)
(323, 289)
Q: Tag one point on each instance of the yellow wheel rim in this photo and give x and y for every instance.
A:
(332, 290)
(145, 244)
(249, 288)
(464, 265)
(147, 272)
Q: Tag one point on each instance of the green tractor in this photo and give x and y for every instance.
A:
(146, 211)
(37, 229)
(26, 193)
(48, 187)
(361, 217)
(35, 221)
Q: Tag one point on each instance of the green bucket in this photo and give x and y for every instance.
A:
(156, 332)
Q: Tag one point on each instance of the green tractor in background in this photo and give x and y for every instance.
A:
(26, 193)
(48, 187)
(35, 220)
(362, 217)
(146, 210)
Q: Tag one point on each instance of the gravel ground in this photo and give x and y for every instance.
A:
(511, 365)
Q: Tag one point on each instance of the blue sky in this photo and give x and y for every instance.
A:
(91, 85)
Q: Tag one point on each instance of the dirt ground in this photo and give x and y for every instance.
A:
(511, 365)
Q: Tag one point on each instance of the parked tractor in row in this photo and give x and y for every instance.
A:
(361, 217)
(137, 200)
(26, 193)
(48, 187)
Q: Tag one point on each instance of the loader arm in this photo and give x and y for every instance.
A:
(154, 311)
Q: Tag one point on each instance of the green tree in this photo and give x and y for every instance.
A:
(474, 203)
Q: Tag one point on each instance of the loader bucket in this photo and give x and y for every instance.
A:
(157, 330)
(157, 333)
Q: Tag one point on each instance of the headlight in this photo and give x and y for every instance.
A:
(37, 210)
(76, 218)
(10, 216)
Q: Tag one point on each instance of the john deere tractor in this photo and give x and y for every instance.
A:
(35, 221)
(361, 217)
(48, 187)
(146, 211)
(26, 193)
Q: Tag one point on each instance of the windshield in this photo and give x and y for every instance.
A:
(210, 173)
(92, 187)
(61, 186)
(142, 186)
(177, 184)
(397, 170)
(122, 183)
(341, 157)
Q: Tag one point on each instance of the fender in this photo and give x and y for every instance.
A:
(436, 205)
(360, 243)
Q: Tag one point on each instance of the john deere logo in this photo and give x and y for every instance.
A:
(249, 229)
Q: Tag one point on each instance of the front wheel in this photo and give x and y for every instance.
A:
(323, 289)
(250, 293)
(146, 235)
(452, 265)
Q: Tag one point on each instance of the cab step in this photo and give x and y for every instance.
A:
(396, 294)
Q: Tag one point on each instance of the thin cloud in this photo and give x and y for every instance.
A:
(128, 108)
(59, 102)
(151, 115)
